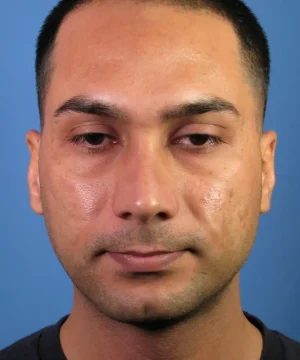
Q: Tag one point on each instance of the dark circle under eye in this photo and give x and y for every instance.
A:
(94, 138)
(198, 139)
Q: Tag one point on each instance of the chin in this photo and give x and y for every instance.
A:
(153, 311)
(150, 316)
(155, 323)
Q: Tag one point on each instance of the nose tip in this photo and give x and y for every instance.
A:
(144, 201)
(146, 212)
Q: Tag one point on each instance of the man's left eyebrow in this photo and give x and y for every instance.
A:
(199, 107)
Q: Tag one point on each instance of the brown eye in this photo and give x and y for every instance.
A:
(94, 138)
(198, 140)
(94, 142)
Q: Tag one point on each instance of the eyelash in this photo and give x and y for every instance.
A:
(210, 140)
(81, 139)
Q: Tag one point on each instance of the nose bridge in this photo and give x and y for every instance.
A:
(144, 187)
(146, 173)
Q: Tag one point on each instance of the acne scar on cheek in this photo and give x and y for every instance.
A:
(213, 196)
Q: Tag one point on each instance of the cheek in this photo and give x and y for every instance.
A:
(74, 199)
(72, 207)
(226, 204)
(89, 197)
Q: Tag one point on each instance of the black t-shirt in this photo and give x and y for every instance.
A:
(45, 345)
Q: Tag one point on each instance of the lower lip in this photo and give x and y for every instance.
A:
(143, 264)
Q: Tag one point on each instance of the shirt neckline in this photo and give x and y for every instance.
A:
(50, 347)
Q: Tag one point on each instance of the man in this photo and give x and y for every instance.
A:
(151, 170)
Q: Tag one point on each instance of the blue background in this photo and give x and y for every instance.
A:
(35, 290)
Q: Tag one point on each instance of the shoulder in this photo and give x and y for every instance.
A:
(44, 344)
(276, 346)
(291, 347)
(26, 348)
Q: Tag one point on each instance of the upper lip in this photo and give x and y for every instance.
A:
(142, 253)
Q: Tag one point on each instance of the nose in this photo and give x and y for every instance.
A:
(145, 190)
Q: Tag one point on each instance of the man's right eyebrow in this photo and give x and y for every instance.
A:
(88, 105)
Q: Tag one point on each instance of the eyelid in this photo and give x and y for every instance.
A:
(211, 138)
(93, 126)
(194, 128)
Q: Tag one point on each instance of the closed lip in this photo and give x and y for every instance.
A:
(142, 262)
(145, 254)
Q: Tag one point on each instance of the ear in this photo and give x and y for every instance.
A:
(268, 147)
(33, 142)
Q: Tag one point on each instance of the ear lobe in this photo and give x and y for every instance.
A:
(33, 142)
(268, 147)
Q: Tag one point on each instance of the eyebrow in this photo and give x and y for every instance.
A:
(199, 107)
(89, 105)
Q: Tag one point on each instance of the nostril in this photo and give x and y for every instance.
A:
(144, 217)
(162, 215)
(126, 215)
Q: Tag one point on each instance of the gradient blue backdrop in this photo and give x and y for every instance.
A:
(35, 290)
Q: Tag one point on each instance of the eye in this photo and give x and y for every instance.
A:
(94, 141)
(92, 138)
(198, 140)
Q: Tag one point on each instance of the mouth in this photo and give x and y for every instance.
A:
(143, 262)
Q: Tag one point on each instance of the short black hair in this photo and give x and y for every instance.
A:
(253, 41)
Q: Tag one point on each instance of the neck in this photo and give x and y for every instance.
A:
(222, 332)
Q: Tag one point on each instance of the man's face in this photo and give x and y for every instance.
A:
(165, 176)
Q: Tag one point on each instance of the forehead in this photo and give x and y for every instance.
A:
(137, 50)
